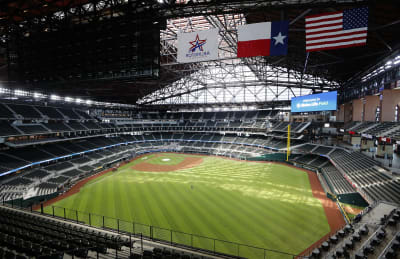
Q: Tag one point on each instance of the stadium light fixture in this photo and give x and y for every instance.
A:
(54, 97)
(37, 95)
(389, 64)
(18, 92)
(397, 60)
(14, 94)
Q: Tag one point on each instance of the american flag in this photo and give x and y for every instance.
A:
(335, 30)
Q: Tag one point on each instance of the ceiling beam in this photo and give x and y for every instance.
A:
(300, 16)
(380, 27)
(379, 37)
(347, 60)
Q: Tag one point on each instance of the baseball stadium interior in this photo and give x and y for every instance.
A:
(88, 87)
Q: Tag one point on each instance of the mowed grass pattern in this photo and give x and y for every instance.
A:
(260, 204)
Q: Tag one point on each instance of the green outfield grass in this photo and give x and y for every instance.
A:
(260, 204)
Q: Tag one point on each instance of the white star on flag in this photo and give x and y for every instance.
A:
(279, 39)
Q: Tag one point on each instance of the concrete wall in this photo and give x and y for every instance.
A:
(345, 113)
(371, 102)
(348, 115)
(353, 111)
(355, 141)
(366, 144)
(384, 149)
(391, 98)
(357, 110)
(340, 113)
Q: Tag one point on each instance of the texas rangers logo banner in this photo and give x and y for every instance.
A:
(198, 46)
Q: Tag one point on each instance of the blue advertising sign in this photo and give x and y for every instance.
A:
(315, 102)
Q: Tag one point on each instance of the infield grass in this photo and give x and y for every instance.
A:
(259, 204)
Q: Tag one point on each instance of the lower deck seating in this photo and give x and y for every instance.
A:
(336, 180)
(36, 174)
(58, 180)
(18, 181)
(384, 191)
(59, 166)
(323, 150)
(72, 173)
(58, 127)
(30, 236)
(10, 162)
(29, 154)
(7, 130)
(32, 129)
(81, 160)
(306, 158)
(7, 195)
(362, 126)
(365, 173)
(47, 185)
(86, 168)
(362, 171)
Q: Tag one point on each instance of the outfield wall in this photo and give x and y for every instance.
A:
(279, 157)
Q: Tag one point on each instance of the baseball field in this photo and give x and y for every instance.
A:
(266, 205)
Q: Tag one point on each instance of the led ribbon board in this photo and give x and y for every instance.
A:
(315, 102)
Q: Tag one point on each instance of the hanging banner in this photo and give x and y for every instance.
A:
(198, 46)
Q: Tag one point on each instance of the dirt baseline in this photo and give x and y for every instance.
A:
(74, 189)
(332, 212)
(188, 162)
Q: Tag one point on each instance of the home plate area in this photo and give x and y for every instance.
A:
(187, 162)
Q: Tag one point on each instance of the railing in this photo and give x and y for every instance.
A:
(306, 253)
(166, 236)
(388, 246)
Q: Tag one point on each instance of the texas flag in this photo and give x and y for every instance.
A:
(263, 39)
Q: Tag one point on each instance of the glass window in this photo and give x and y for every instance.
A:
(378, 114)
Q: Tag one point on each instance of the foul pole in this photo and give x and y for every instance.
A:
(288, 143)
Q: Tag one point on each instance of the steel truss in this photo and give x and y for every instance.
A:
(385, 75)
(186, 8)
(200, 82)
(61, 9)
(227, 80)
(235, 82)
